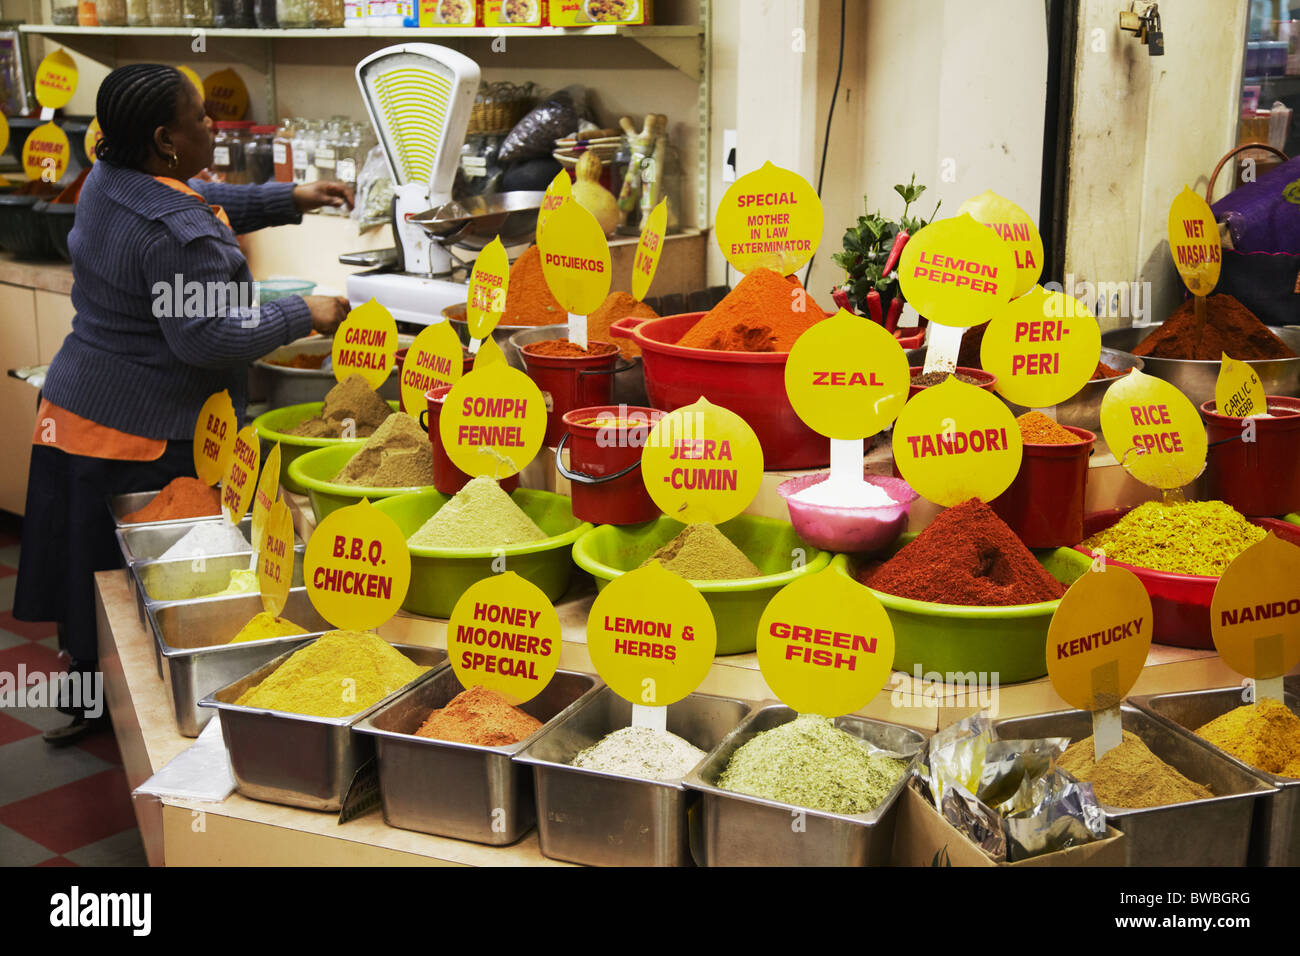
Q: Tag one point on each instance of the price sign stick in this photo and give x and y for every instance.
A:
(846, 465)
(943, 348)
(578, 330)
(652, 718)
(1107, 726)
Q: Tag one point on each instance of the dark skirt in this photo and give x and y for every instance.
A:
(68, 534)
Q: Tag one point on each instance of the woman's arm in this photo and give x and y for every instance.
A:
(252, 207)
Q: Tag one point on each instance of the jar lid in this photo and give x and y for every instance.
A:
(225, 124)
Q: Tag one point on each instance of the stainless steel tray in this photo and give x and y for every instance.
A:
(1159, 836)
(148, 542)
(1275, 832)
(465, 791)
(192, 579)
(607, 819)
(192, 640)
(740, 830)
(295, 759)
(119, 505)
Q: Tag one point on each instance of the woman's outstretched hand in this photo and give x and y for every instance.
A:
(323, 192)
(327, 312)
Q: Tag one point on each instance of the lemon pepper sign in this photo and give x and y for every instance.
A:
(357, 567)
(770, 218)
(957, 272)
(365, 344)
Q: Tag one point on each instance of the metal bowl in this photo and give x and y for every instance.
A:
(1196, 378)
(629, 383)
(474, 221)
(455, 314)
(283, 386)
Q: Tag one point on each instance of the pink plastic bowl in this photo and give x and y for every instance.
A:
(859, 530)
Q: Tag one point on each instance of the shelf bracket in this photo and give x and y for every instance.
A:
(686, 57)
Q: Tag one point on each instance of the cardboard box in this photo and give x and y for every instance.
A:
(513, 13)
(584, 13)
(449, 14)
(924, 838)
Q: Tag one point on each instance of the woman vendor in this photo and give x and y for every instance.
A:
(123, 392)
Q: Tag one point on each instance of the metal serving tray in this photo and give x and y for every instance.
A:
(120, 505)
(465, 791)
(1275, 833)
(148, 542)
(1159, 836)
(295, 759)
(195, 655)
(608, 819)
(740, 830)
(192, 579)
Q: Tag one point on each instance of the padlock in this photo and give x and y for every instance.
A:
(1154, 37)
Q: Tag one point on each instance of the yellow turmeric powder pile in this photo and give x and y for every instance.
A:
(1265, 735)
(1130, 775)
(1185, 537)
(341, 674)
(264, 624)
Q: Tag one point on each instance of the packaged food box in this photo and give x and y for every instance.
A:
(451, 13)
(584, 13)
(513, 13)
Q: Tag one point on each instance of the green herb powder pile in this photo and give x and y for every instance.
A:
(703, 553)
(480, 515)
(641, 752)
(809, 762)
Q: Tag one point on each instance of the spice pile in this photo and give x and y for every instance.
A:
(1229, 327)
(480, 716)
(350, 400)
(1130, 775)
(641, 752)
(617, 305)
(703, 553)
(528, 298)
(242, 581)
(758, 315)
(824, 494)
(397, 455)
(809, 762)
(1265, 735)
(563, 348)
(1104, 371)
(181, 498)
(1037, 429)
(966, 556)
(480, 515)
(926, 379)
(307, 360)
(1185, 537)
(208, 538)
(341, 674)
(264, 624)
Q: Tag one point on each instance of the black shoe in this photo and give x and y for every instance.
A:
(80, 728)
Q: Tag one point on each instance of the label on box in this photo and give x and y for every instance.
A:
(583, 13)
(488, 283)
(264, 498)
(957, 272)
(1098, 640)
(447, 13)
(825, 644)
(1194, 242)
(493, 421)
(953, 442)
(357, 567)
(770, 218)
(702, 463)
(239, 479)
(651, 636)
(214, 437)
(504, 635)
(433, 360)
(55, 80)
(557, 194)
(45, 154)
(1013, 225)
(226, 96)
(575, 259)
(275, 558)
(1154, 431)
(1043, 347)
(1255, 611)
(513, 13)
(365, 344)
(648, 249)
(1238, 392)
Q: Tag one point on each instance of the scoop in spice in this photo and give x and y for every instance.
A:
(703, 553)
(480, 515)
(480, 716)
(397, 455)
(1130, 775)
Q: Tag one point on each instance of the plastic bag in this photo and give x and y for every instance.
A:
(374, 194)
(536, 133)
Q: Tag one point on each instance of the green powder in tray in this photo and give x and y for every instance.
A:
(480, 515)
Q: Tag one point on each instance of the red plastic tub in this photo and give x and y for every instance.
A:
(1260, 477)
(751, 384)
(400, 358)
(1180, 603)
(1044, 505)
(571, 381)
(983, 379)
(605, 464)
(447, 478)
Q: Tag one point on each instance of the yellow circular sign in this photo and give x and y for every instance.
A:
(1099, 637)
(4, 132)
(957, 272)
(1255, 611)
(1014, 227)
(91, 140)
(648, 249)
(433, 360)
(575, 259)
(489, 353)
(268, 490)
(55, 80)
(214, 437)
(193, 78)
(226, 95)
(954, 442)
(1043, 347)
(239, 479)
(487, 289)
(275, 558)
(770, 218)
(504, 635)
(357, 567)
(45, 154)
(493, 421)
(847, 377)
(1154, 431)
(825, 644)
(1238, 392)
(557, 194)
(365, 344)
(651, 636)
(1194, 242)
(702, 463)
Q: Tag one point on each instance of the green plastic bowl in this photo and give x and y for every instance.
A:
(314, 470)
(956, 639)
(273, 426)
(610, 550)
(439, 576)
(1293, 517)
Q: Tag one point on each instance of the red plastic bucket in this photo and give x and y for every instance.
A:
(400, 359)
(447, 478)
(751, 384)
(1044, 505)
(605, 463)
(571, 381)
(1260, 477)
(982, 378)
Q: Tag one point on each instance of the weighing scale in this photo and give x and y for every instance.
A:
(419, 98)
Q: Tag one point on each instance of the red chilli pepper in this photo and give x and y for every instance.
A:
(873, 306)
(899, 242)
(895, 310)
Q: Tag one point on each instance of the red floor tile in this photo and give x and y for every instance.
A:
(103, 745)
(57, 861)
(76, 814)
(32, 631)
(12, 729)
(38, 659)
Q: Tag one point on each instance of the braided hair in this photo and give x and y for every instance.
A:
(132, 102)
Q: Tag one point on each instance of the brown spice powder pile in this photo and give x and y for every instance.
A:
(351, 399)
(1229, 327)
(1130, 775)
(397, 455)
(181, 498)
(480, 716)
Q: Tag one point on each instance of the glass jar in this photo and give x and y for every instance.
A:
(166, 13)
(282, 151)
(87, 14)
(348, 160)
(110, 13)
(228, 162)
(264, 14)
(293, 14)
(137, 13)
(63, 13)
(326, 13)
(327, 150)
(304, 151)
(259, 157)
(197, 13)
(232, 13)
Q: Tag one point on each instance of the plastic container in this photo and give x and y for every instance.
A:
(268, 290)
(447, 478)
(314, 470)
(1180, 603)
(439, 576)
(1260, 477)
(860, 530)
(274, 426)
(983, 379)
(571, 381)
(605, 463)
(1044, 505)
(772, 545)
